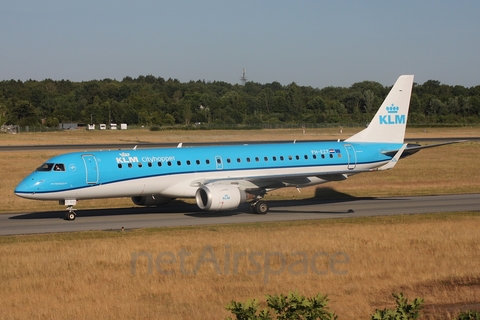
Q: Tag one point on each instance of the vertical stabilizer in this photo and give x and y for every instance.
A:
(390, 121)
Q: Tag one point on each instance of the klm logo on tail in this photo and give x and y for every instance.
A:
(392, 117)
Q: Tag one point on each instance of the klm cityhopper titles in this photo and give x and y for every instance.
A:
(222, 177)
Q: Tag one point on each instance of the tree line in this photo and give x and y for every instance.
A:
(154, 101)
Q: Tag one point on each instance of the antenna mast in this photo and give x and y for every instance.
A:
(244, 76)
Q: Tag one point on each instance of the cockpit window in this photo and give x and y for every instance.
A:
(50, 166)
(45, 167)
(59, 167)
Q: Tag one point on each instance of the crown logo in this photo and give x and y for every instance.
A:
(393, 108)
(124, 154)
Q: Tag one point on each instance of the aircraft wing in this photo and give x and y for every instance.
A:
(257, 183)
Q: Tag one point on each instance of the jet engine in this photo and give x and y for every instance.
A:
(219, 197)
(151, 200)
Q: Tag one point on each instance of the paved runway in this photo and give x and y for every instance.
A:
(181, 214)
(145, 145)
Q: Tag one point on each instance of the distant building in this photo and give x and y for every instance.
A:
(9, 129)
(68, 126)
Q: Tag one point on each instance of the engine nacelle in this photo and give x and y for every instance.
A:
(151, 200)
(219, 197)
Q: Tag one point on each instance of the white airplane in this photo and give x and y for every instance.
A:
(223, 177)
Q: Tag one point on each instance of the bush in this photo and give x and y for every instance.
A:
(469, 315)
(292, 306)
(404, 310)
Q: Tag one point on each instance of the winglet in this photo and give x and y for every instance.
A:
(393, 161)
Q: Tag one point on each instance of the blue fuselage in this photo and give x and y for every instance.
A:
(177, 172)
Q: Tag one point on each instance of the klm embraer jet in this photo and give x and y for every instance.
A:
(223, 177)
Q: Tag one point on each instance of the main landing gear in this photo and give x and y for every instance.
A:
(71, 214)
(259, 207)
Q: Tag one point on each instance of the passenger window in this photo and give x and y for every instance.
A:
(306, 157)
(274, 158)
(314, 156)
(290, 158)
(120, 166)
(150, 164)
(281, 158)
(129, 165)
(207, 161)
(339, 155)
(257, 159)
(179, 162)
(159, 164)
(323, 156)
(297, 157)
(239, 160)
(248, 159)
(169, 163)
(197, 162)
(140, 165)
(59, 167)
(188, 162)
(265, 158)
(228, 160)
(331, 155)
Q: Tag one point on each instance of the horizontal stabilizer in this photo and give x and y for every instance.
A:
(411, 149)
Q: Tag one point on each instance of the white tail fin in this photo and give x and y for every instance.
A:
(390, 121)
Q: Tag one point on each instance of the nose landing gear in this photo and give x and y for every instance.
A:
(70, 214)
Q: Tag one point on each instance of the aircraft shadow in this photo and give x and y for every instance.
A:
(330, 195)
(176, 207)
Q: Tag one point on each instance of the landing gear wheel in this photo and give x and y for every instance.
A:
(259, 207)
(70, 216)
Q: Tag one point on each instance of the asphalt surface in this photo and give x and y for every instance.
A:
(181, 214)
(144, 145)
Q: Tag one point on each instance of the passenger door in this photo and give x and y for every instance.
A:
(91, 168)
(351, 156)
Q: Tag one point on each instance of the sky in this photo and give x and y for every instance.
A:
(312, 43)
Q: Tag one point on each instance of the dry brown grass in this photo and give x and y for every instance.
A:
(176, 136)
(89, 275)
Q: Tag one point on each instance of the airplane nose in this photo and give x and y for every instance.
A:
(27, 186)
(21, 189)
